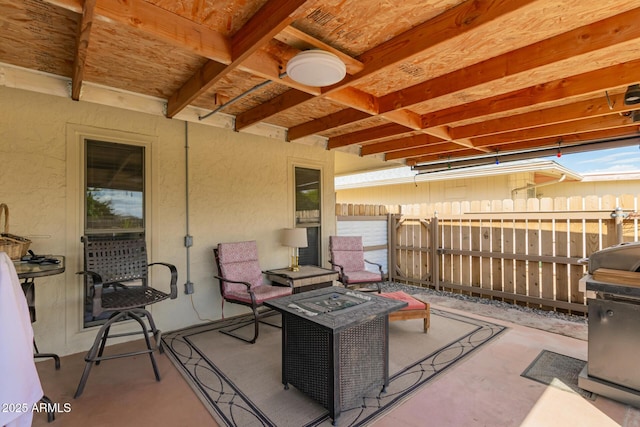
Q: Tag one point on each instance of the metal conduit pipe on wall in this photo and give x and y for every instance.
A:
(188, 239)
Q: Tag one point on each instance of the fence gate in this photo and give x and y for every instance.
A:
(414, 243)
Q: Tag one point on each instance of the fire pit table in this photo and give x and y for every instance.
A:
(335, 344)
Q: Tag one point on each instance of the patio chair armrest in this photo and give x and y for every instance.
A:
(96, 289)
(340, 272)
(382, 276)
(376, 264)
(248, 285)
(96, 280)
(174, 277)
(98, 285)
(337, 265)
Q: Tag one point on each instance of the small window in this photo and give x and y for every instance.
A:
(114, 196)
(308, 212)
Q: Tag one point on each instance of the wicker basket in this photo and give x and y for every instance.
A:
(15, 246)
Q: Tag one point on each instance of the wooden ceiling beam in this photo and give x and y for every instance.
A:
(195, 86)
(367, 135)
(415, 141)
(167, 26)
(555, 130)
(399, 144)
(351, 116)
(181, 32)
(413, 146)
(353, 98)
(430, 150)
(82, 45)
(569, 139)
(334, 120)
(203, 41)
(603, 34)
(356, 98)
(594, 107)
(269, 20)
(438, 157)
(271, 108)
(532, 97)
(453, 23)
(405, 117)
(589, 38)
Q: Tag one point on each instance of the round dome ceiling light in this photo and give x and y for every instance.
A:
(316, 68)
(632, 95)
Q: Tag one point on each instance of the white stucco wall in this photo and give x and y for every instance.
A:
(240, 189)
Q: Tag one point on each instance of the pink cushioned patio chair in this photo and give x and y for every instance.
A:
(347, 257)
(242, 282)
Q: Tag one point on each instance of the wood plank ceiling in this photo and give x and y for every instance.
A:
(426, 80)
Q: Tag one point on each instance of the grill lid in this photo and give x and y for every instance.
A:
(625, 256)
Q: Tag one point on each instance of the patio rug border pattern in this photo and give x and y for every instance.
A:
(422, 371)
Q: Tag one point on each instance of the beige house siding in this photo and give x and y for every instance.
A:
(496, 187)
(439, 191)
(590, 188)
(240, 189)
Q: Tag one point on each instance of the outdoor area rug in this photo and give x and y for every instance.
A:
(241, 384)
(557, 370)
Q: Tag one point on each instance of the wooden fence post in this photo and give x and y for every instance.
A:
(435, 246)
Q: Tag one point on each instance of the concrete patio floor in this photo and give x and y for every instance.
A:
(487, 389)
(484, 390)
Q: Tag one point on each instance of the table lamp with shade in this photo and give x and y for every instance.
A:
(295, 238)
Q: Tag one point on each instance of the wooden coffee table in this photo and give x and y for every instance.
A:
(308, 278)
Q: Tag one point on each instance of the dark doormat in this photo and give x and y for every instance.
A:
(557, 370)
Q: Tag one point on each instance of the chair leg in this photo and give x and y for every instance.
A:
(95, 353)
(255, 333)
(257, 325)
(264, 322)
(146, 338)
(51, 415)
(92, 354)
(157, 335)
(103, 342)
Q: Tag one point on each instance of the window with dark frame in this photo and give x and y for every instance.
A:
(114, 198)
(308, 195)
(114, 187)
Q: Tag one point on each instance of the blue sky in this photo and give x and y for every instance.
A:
(612, 160)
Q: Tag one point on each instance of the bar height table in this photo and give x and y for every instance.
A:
(28, 272)
(335, 344)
